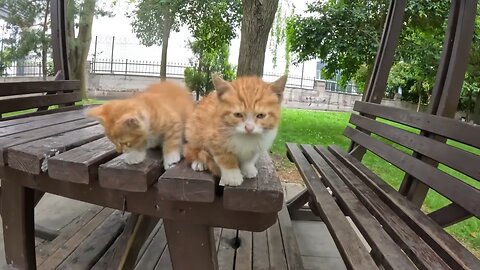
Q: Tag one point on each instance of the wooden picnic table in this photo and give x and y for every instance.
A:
(67, 154)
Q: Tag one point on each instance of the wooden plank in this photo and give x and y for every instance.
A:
(350, 246)
(18, 224)
(29, 157)
(276, 252)
(181, 183)
(46, 122)
(23, 103)
(29, 87)
(70, 230)
(8, 123)
(260, 256)
(262, 194)
(443, 243)
(69, 246)
(243, 257)
(154, 251)
(148, 203)
(44, 113)
(446, 127)
(299, 200)
(195, 242)
(226, 252)
(453, 157)
(449, 215)
(290, 245)
(82, 162)
(33, 135)
(463, 194)
(95, 245)
(116, 174)
(351, 191)
(165, 262)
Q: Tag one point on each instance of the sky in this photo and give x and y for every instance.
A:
(127, 46)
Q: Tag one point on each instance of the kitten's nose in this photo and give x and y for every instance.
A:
(249, 128)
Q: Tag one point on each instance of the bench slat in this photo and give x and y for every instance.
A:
(260, 250)
(442, 242)
(446, 127)
(23, 103)
(116, 174)
(292, 251)
(350, 246)
(181, 183)
(40, 122)
(37, 134)
(80, 164)
(243, 256)
(265, 190)
(449, 215)
(464, 195)
(453, 157)
(21, 88)
(29, 157)
(412, 244)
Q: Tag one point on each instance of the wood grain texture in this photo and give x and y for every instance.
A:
(29, 157)
(29, 87)
(276, 251)
(290, 244)
(351, 248)
(461, 193)
(181, 183)
(80, 165)
(244, 256)
(261, 194)
(37, 134)
(116, 174)
(154, 251)
(23, 103)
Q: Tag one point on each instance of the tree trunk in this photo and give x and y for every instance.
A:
(165, 37)
(44, 41)
(257, 21)
(419, 98)
(80, 45)
(476, 110)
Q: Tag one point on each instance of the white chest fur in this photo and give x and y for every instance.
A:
(246, 147)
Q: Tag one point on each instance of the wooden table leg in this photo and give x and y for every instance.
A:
(18, 224)
(191, 246)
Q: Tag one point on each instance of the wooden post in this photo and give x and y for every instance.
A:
(59, 37)
(191, 246)
(383, 62)
(448, 84)
(18, 224)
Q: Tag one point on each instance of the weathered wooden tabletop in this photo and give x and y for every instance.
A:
(67, 154)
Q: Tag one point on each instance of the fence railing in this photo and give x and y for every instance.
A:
(334, 86)
(27, 69)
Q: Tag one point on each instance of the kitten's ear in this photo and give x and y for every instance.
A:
(131, 122)
(220, 85)
(278, 86)
(98, 113)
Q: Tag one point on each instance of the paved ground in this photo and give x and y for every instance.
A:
(316, 246)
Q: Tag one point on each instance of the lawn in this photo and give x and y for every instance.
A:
(326, 128)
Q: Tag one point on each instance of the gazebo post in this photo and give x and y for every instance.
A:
(449, 81)
(59, 38)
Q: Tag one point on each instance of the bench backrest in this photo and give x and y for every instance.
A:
(37, 97)
(463, 194)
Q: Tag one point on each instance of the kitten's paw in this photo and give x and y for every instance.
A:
(199, 166)
(135, 157)
(249, 171)
(231, 178)
(171, 159)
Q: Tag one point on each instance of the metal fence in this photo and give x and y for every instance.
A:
(22, 69)
(334, 86)
(134, 67)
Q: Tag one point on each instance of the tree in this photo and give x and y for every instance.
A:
(278, 34)
(257, 21)
(327, 33)
(153, 21)
(29, 30)
(212, 29)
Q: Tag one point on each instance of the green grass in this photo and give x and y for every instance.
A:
(326, 128)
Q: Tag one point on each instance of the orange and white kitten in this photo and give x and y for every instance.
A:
(154, 117)
(231, 127)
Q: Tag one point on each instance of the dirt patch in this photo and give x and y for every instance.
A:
(287, 172)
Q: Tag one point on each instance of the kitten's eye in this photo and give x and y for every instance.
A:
(238, 115)
(261, 115)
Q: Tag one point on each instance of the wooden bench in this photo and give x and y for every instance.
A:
(399, 234)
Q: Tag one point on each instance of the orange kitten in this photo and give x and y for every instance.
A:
(232, 126)
(151, 118)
